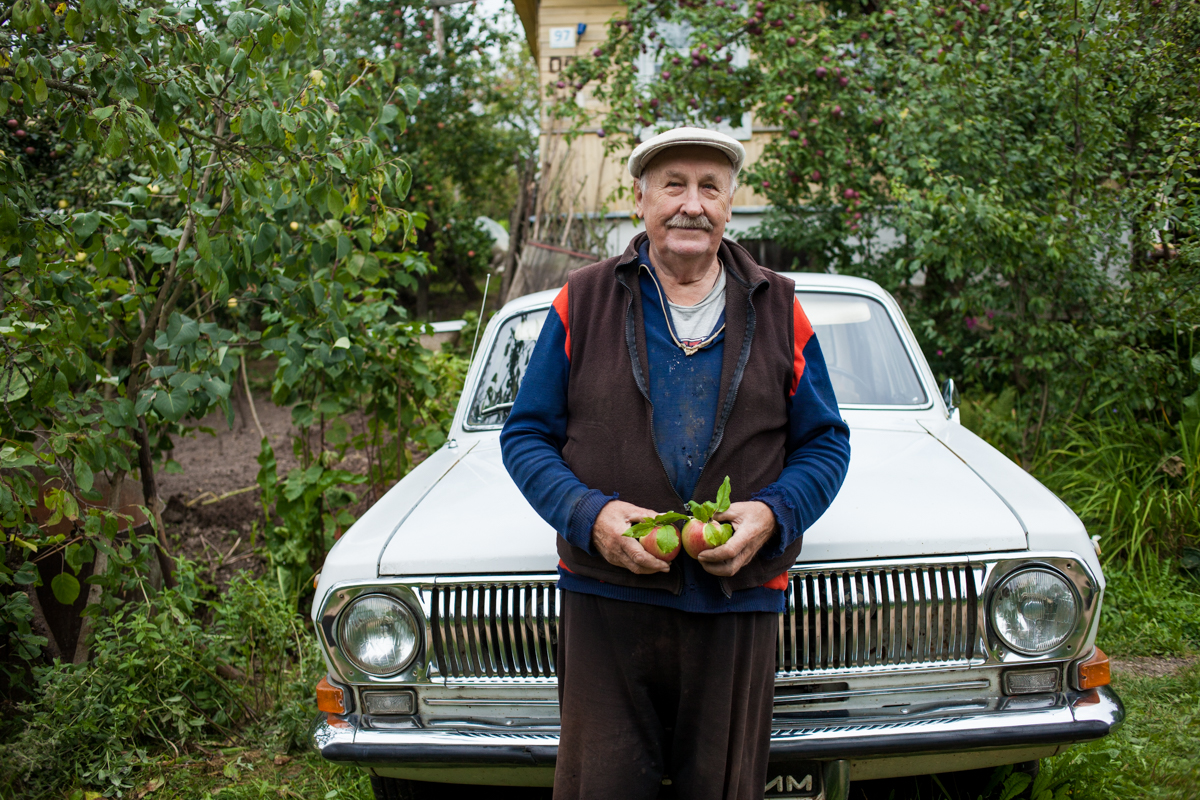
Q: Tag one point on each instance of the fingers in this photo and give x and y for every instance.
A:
(727, 559)
(633, 557)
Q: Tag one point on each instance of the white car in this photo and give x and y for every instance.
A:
(942, 615)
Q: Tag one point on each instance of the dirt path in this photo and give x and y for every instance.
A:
(212, 507)
(1152, 666)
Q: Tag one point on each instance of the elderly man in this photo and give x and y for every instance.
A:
(656, 375)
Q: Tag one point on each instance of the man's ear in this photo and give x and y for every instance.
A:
(637, 197)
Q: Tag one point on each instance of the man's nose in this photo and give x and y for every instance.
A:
(691, 202)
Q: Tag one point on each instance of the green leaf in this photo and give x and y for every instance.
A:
(1196, 363)
(86, 224)
(83, 474)
(76, 555)
(65, 588)
(640, 529)
(238, 23)
(335, 203)
(723, 496)
(13, 386)
(411, 95)
(172, 405)
(40, 93)
(270, 124)
(667, 538)
(182, 330)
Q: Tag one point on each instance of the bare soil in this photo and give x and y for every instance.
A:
(1152, 666)
(212, 512)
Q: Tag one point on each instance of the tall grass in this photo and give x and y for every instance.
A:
(1134, 484)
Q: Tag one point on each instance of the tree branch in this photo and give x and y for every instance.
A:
(82, 92)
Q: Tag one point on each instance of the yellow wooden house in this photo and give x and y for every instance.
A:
(559, 31)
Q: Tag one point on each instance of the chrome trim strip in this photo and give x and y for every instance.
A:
(802, 699)
(1090, 716)
(487, 701)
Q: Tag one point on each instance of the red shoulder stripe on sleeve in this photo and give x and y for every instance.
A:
(802, 331)
(560, 306)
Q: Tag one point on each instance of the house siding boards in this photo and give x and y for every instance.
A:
(586, 161)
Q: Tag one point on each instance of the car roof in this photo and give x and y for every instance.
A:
(805, 281)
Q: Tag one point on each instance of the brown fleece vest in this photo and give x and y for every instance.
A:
(610, 438)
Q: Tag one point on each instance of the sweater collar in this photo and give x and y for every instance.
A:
(738, 262)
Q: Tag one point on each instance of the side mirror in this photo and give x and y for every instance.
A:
(950, 396)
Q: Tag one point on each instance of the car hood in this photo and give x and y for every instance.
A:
(906, 494)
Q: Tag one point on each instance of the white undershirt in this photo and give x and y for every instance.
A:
(694, 324)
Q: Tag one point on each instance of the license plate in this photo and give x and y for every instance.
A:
(799, 779)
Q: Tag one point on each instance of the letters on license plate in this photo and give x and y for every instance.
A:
(794, 780)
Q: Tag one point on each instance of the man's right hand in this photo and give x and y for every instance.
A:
(624, 551)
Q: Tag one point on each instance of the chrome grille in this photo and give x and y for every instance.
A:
(883, 617)
(495, 630)
(834, 620)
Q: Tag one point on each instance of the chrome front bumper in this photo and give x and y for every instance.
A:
(1020, 722)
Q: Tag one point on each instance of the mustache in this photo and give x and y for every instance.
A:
(681, 220)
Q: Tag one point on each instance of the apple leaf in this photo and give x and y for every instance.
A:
(65, 588)
(723, 496)
(666, 538)
(639, 530)
(83, 474)
(172, 405)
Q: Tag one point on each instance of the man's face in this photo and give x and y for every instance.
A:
(687, 200)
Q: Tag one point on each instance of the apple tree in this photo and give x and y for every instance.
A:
(1021, 174)
(170, 173)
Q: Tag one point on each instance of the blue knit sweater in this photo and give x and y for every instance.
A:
(683, 392)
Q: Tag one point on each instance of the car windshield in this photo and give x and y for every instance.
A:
(867, 361)
(505, 367)
(863, 351)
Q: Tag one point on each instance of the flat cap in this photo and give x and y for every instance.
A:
(676, 137)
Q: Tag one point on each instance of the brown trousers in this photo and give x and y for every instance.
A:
(651, 694)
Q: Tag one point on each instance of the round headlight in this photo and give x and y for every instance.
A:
(1034, 611)
(379, 634)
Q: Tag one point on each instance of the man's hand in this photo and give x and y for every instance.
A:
(753, 523)
(625, 551)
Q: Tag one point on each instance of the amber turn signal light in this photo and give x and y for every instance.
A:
(330, 698)
(1094, 671)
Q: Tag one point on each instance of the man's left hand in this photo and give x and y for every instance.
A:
(753, 523)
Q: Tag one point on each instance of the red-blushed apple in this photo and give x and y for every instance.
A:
(658, 535)
(700, 536)
(662, 542)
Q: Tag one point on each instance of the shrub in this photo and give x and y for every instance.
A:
(169, 672)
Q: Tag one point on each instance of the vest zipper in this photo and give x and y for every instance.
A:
(639, 379)
(734, 384)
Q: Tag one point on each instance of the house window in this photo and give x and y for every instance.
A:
(677, 36)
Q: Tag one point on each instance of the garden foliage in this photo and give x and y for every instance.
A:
(1022, 175)
(183, 185)
(166, 675)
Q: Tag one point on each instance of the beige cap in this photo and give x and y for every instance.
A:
(647, 150)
